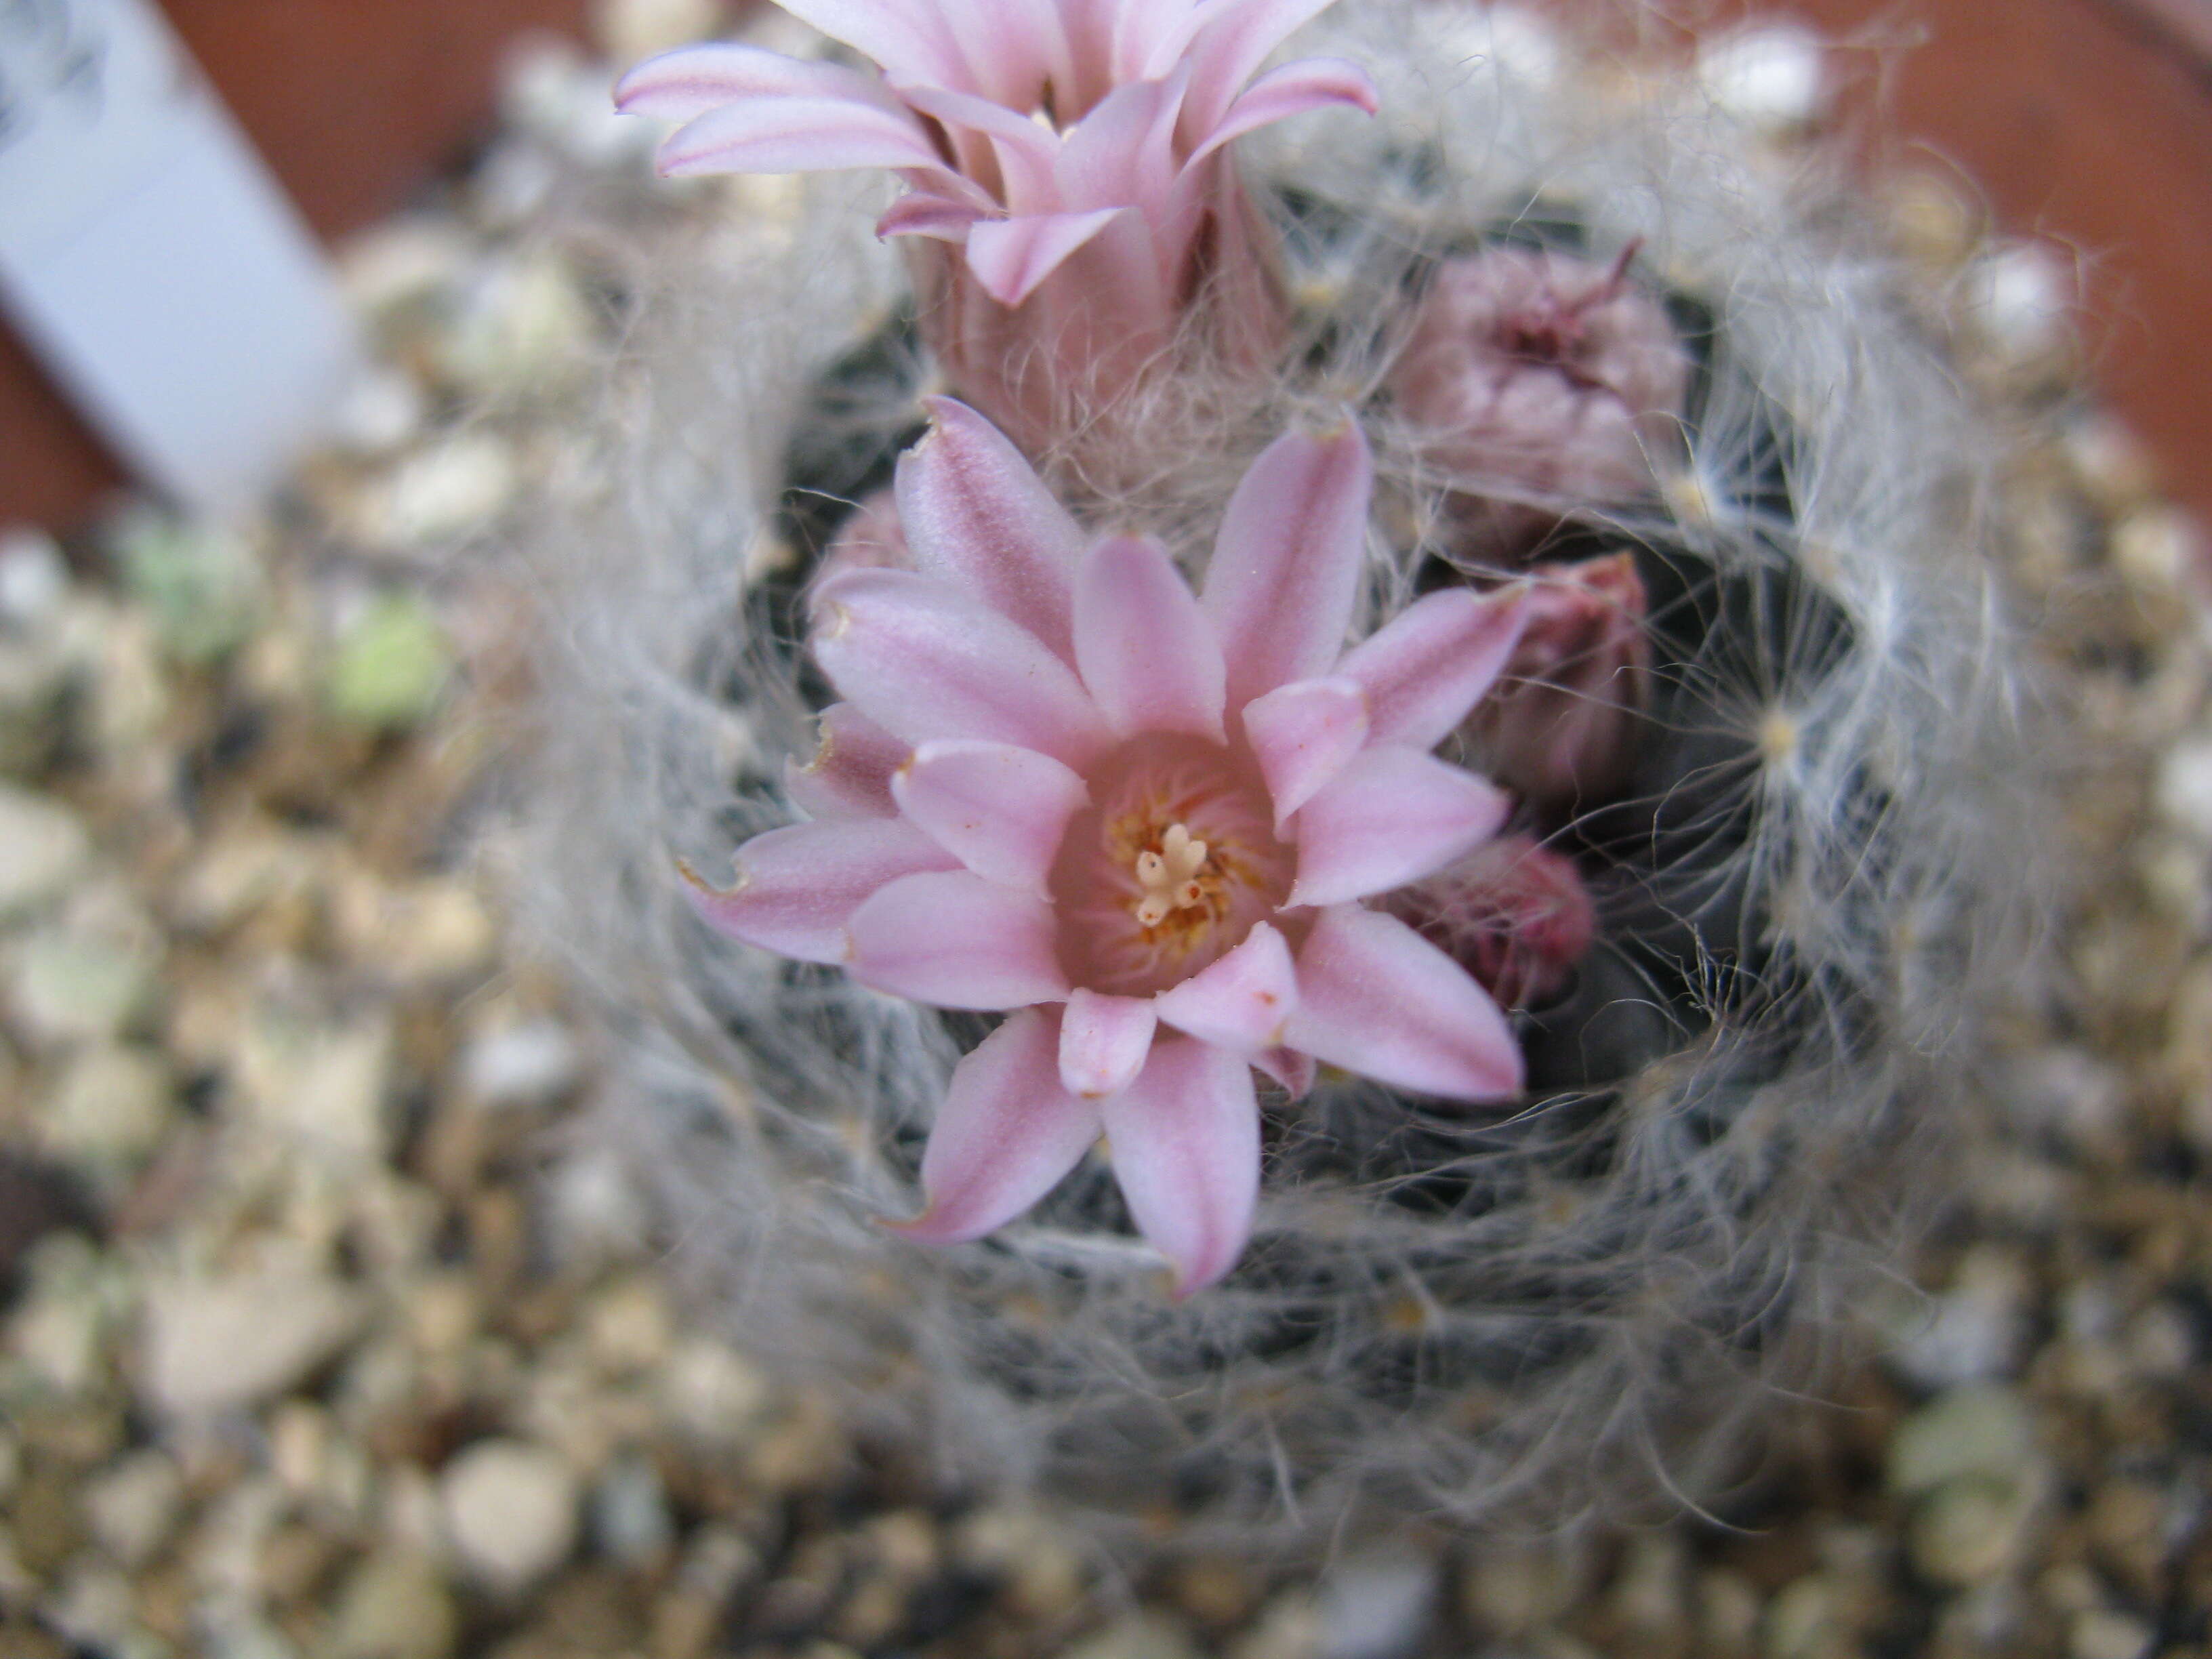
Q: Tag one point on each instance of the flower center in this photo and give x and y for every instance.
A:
(1169, 868)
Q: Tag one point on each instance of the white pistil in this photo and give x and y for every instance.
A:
(1169, 877)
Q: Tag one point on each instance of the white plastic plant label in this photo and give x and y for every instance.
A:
(148, 257)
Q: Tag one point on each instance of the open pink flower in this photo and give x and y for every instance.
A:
(1144, 819)
(1064, 156)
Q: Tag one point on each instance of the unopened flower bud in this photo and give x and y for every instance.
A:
(1537, 383)
(1514, 914)
(1561, 726)
(871, 539)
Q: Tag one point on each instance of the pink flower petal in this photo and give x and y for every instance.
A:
(955, 940)
(1010, 256)
(1427, 667)
(1122, 153)
(1303, 734)
(1391, 816)
(1232, 40)
(797, 135)
(1376, 997)
(1141, 31)
(1292, 1068)
(999, 809)
(684, 84)
(1240, 1001)
(850, 775)
(1007, 46)
(925, 660)
(1310, 83)
(1103, 1042)
(1025, 151)
(1286, 563)
(1185, 1137)
(924, 213)
(797, 888)
(909, 40)
(1145, 649)
(977, 516)
(1006, 1135)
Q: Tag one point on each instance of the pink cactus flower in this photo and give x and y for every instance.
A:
(1562, 726)
(1513, 914)
(1065, 162)
(1539, 382)
(1144, 820)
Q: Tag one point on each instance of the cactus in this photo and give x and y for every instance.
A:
(1776, 856)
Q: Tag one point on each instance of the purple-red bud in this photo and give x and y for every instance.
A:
(1536, 383)
(1514, 914)
(1562, 723)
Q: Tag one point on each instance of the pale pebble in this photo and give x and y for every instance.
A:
(69, 986)
(449, 492)
(131, 1507)
(1970, 1529)
(321, 1090)
(1977, 1430)
(34, 577)
(217, 1345)
(43, 846)
(629, 1327)
(1510, 1589)
(93, 1607)
(108, 1110)
(524, 330)
(381, 410)
(1972, 1332)
(510, 1512)
(530, 1064)
(1801, 1622)
(711, 1393)
(1289, 1628)
(1377, 1606)
(631, 1518)
(2184, 788)
(1137, 1635)
(2098, 1634)
(395, 1605)
(390, 665)
(402, 263)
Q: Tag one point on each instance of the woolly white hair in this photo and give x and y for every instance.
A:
(1825, 874)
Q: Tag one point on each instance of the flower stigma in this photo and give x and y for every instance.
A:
(1169, 877)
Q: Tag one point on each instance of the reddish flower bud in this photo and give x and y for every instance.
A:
(1560, 727)
(871, 539)
(1514, 914)
(1537, 383)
